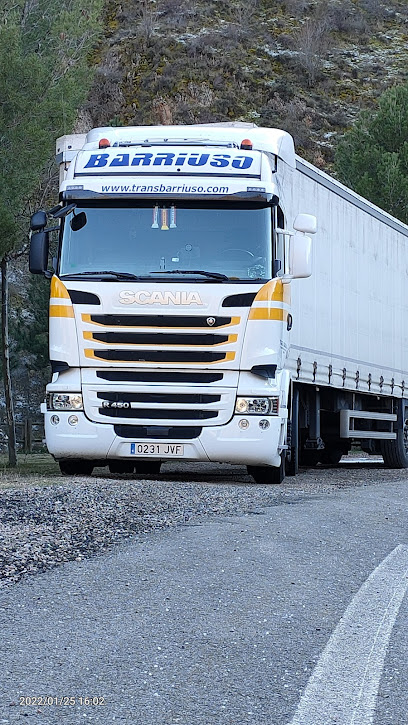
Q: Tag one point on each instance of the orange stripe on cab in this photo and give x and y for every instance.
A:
(274, 291)
(61, 311)
(58, 289)
(267, 313)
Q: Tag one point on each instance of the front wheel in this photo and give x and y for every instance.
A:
(310, 457)
(268, 474)
(331, 456)
(76, 467)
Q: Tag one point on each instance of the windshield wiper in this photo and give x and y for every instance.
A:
(116, 275)
(211, 275)
(129, 276)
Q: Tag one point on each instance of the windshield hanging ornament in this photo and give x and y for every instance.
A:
(165, 219)
(155, 224)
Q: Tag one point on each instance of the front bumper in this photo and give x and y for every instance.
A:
(227, 443)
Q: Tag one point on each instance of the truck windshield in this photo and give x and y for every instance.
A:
(159, 240)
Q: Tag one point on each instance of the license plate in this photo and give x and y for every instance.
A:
(157, 449)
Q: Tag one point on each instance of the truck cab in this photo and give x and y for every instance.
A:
(170, 302)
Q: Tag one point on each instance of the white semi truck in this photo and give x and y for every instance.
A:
(193, 318)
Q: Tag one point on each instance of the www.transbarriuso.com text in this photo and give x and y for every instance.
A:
(162, 189)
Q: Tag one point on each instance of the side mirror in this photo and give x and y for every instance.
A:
(300, 264)
(38, 221)
(78, 221)
(306, 223)
(38, 257)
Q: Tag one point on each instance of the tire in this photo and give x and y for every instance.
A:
(76, 467)
(121, 467)
(395, 453)
(331, 456)
(148, 467)
(310, 457)
(268, 474)
(292, 462)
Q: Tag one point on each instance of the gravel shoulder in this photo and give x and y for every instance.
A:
(47, 519)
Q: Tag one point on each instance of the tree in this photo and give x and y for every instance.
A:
(312, 42)
(372, 157)
(44, 76)
(31, 327)
(20, 141)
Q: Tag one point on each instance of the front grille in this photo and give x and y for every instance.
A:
(178, 321)
(156, 414)
(175, 398)
(145, 402)
(152, 339)
(161, 376)
(157, 432)
(161, 356)
(152, 342)
(157, 338)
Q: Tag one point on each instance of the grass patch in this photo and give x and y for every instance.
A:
(34, 469)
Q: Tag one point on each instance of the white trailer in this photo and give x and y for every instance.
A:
(349, 345)
(192, 318)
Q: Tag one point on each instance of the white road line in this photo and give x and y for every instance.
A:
(343, 687)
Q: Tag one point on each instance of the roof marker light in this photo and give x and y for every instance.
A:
(246, 144)
(104, 143)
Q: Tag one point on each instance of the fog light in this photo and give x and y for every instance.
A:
(73, 419)
(264, 424)
(54, 419)
(243, 423)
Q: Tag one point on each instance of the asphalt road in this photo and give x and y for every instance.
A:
(297, 615)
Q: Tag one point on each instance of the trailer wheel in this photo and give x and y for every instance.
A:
(395, 453)
(76, 467)
(268, 474)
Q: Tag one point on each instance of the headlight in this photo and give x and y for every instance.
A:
(64, 401)
(257, 406)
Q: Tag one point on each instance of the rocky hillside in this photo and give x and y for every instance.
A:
(306, 66)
